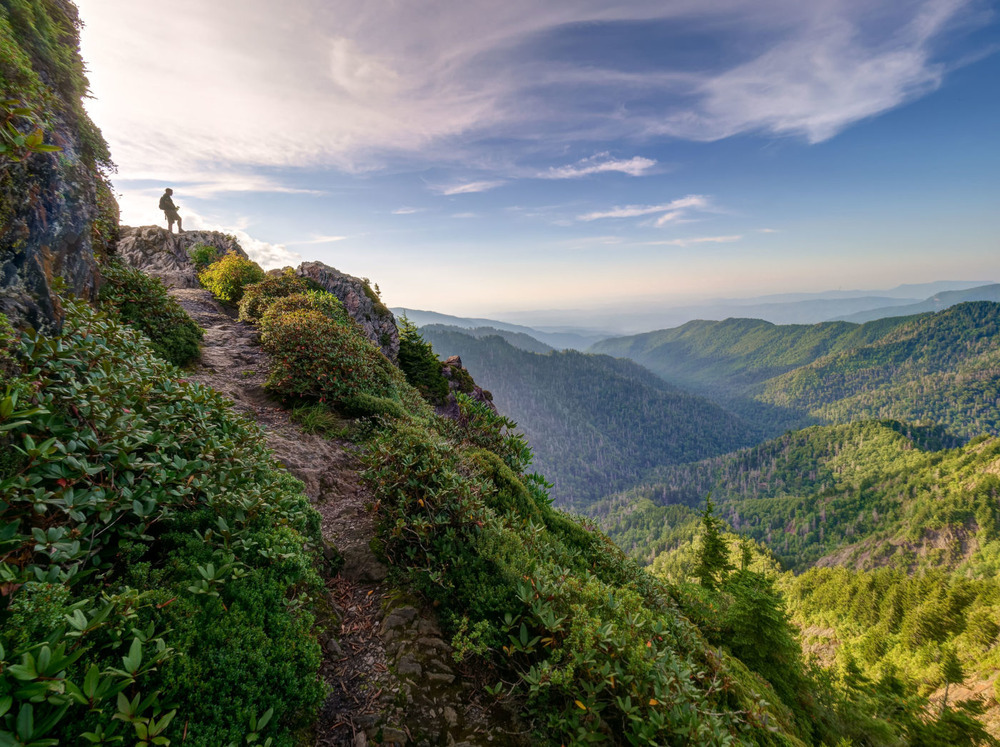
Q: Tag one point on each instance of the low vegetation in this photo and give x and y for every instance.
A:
(142, 302)
(227, 277)
(158, 568)
(203, 255)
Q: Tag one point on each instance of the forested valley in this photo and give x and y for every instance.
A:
(866, 504)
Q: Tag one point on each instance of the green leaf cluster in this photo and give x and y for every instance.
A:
(142, 302)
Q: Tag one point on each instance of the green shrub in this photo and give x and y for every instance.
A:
(315, 358)
(172, 564)
(203, 255)
(228, 277)
(143, 302)
(325, 303)
(364, 405)
(257, 297)
(419, 363)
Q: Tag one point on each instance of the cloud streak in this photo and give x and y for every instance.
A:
(635, 166)
(670, 211)
(470, 187)
(694, 241)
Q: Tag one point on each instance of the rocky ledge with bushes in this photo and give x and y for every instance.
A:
(164, 255)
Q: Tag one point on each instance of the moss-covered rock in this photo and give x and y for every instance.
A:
(56, 208)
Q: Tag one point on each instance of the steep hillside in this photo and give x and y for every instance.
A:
(726, 359)
(943, 368)
(864, 495)
(595, 423)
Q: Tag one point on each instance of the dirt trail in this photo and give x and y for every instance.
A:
(387, 666)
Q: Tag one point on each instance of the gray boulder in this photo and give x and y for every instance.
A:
(361, 302)
(164, 255)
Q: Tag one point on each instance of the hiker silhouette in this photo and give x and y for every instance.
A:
(170, 210)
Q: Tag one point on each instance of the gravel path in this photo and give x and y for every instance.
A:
(387, 666)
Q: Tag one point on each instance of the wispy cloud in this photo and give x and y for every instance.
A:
(317, 240)
(697, 240)
(768, 230)
(470, 187)
(407, 211)
(600, 163)
(671, 210)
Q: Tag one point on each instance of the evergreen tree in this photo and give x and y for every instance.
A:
(951, 673)
(713, 557)
(419, 363)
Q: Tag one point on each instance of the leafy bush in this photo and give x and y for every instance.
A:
(143, 302)
(363, 405)
(317, 359)
(203, 255)
(157, 577)
(228, 277)
(419, 363)
(257, 297)
(325, 303)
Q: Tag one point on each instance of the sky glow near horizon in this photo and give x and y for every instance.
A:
(475, 157)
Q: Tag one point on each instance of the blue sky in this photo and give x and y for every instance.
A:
(478, 157)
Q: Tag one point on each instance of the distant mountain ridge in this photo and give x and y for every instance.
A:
(635, 316)
(942, 367)
(556, 340)
(519, 340)
(937, 302)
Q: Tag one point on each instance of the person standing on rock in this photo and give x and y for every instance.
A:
(170, 210)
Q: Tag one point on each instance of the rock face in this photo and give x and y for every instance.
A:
(55, 207)
(162, 254)
(361, 303)
(460, 380)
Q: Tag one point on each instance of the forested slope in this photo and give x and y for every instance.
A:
(596, 423)
(865, 494)
(940, 368)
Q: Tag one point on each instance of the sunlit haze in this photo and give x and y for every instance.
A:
(478, 158)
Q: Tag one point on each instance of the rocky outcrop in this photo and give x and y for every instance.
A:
(361, 302)
(460, 380)
(164, 255)
(52, 204)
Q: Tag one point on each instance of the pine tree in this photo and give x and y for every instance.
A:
(951, 673)
(713, 557)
